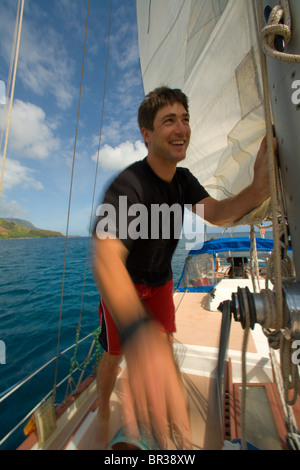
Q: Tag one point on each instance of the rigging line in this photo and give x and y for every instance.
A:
(278, 210)
(16, 386)
(10, 73)
(102, 114)
(12, 92)
(101, 124)
(70, 198)
(254, 267)
(31, 412)
(149, 16)
(97, 163)
(272, 169)
(274, 203)
(244, 373)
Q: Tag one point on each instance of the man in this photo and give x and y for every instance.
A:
(134, 274)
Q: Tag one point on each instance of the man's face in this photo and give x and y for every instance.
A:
(171, 133)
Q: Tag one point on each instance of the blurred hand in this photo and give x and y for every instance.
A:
(153, 396)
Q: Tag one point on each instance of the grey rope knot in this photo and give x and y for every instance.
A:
(279, 24)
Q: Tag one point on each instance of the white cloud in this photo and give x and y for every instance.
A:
(16, 174)
(118, 158)
(30, 135)
(44, 65)
(111, 133)
(11, 209)
(124, 47)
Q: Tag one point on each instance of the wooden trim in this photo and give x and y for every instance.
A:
(275, 405)
(232, 407)
(91, 408)
(32, 439)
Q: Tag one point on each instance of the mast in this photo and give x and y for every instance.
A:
(284, 81)
(279, 309)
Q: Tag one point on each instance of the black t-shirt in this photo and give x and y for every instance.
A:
(147, 217)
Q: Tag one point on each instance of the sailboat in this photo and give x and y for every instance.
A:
(238, 61)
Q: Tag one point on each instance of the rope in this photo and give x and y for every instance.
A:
(272, 167)
(10, 72)
(287, 269)
(74, 361)
(181, 300)
(18, 28)
(289, 371)
(149, 17)
(69, 207)
(291, 423)
(274, 313)
(279, 24)
(279, 264)
(254, 267)
(75, 366)
(244, 372)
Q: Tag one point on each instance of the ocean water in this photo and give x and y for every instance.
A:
(31, 279)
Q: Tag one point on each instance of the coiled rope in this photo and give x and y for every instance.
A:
(279, 24)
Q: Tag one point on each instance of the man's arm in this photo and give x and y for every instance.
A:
(153, 394)
(234, 208)
(114, 282)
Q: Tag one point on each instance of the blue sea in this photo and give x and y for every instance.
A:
(31, 281)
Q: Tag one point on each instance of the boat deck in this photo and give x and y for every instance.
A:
(205, 433)
(198, 326)
(196, 345)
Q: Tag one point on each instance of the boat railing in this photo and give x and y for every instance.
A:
(11, 390)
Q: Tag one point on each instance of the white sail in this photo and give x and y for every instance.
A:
(208, 48)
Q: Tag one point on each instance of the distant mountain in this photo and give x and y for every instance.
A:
(19, 228)
(23, 223)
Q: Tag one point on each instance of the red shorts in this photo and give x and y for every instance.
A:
(159, 304)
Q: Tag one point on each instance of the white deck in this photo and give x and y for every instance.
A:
(196, 347)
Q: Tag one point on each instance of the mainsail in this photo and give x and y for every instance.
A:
(208, 48)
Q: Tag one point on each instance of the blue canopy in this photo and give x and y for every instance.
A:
(231, 244)
(199, 275)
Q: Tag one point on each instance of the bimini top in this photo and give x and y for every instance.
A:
(199, 272)
(232, 244)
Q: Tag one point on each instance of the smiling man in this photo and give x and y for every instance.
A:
(134, 273)
(168, 139)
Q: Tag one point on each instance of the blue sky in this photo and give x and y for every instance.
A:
(42, 134)
(38, 165)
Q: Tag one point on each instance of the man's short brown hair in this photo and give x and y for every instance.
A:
(156, 100)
